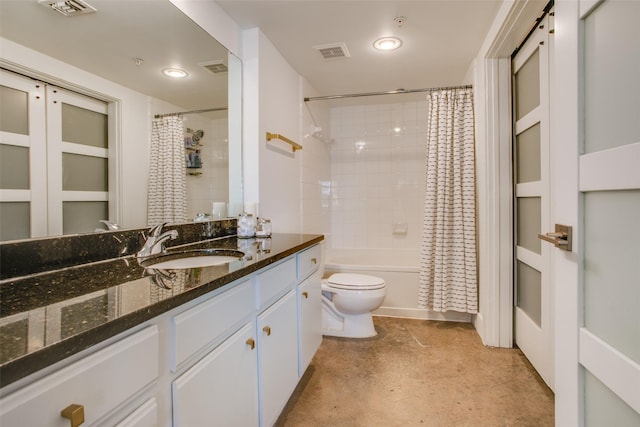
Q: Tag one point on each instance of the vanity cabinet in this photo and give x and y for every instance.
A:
(101, 383)
(231, 357)
(221, 389)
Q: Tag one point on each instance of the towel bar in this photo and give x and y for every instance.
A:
(294, 145)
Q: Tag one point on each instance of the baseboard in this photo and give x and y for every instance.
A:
(424, 314)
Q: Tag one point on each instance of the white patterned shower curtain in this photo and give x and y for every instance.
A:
(167, 196)
(448, 273)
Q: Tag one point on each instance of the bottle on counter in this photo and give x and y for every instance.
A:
(263, 228)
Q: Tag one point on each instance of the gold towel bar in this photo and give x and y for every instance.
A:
(294, 145)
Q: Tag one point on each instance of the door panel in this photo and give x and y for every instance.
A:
(599, 345)
(533, 319)
(23, 141)
(611, 272)
(77, 159)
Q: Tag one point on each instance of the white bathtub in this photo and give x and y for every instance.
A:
(400, 270)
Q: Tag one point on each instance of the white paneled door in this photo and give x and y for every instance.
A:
(596, 176)
(54, 157)
(533, 302)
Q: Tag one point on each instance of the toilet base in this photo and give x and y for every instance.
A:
(335, 324)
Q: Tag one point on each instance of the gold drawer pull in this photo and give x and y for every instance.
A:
(313, 260)
(251, 343)
(305, 294)
(74, 413)
(267, 329)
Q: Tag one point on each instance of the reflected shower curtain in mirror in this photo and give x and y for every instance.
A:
(448, 273)
(167, 197)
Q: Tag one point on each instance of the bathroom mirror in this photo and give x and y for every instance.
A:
(116, 53)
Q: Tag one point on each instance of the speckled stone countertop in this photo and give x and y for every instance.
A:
(50, 315)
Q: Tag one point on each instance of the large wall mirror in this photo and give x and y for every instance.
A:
(104, 67)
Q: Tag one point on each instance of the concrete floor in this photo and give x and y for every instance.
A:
(418, 373)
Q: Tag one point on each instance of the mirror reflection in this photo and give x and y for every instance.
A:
(80, 90)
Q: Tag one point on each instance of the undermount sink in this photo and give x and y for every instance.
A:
(191, 259)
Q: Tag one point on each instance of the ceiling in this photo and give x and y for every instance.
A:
(106, 43)
(440, 39)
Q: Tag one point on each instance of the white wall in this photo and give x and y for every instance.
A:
(208, 15)
(272, 100)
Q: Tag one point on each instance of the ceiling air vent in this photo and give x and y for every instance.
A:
(69, 7)
(333, 51)
(216, 67)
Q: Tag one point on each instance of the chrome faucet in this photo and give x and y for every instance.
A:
(110, 225)
(155, 241)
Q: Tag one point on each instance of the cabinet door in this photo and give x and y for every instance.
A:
(278, 336)
(99, 383)
(310, 319)
(221, 389)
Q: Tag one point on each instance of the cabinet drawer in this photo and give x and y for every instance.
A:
(208, 321)
(275, 281)
(309, 261)
(100, 383)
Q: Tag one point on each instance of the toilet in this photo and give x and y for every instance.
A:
(347, 302)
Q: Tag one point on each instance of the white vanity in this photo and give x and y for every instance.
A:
(230, 357)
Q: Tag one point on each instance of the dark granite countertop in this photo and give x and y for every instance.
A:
(48, 316)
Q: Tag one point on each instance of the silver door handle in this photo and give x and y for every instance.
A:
(561, 238)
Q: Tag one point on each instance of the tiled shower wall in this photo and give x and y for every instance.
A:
(378, 175)
(213, 184)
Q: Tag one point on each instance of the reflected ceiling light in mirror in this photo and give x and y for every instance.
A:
(175, 73)
(387, 43)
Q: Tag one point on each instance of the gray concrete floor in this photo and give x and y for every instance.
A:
(418, 373)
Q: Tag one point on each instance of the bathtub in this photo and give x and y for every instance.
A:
(400, 270)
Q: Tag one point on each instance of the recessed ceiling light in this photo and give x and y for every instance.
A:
(387, 43)
(176, 73)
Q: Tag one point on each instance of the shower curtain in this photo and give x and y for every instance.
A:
(167, 197)
(448, 273)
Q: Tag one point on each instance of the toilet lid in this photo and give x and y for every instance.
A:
(354, 281)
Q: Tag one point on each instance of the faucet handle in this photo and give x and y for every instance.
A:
(156, 230)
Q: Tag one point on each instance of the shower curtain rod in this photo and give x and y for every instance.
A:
(206, 110)
(391, 92)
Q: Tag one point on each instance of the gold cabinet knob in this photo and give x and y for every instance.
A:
(313, 260)
(251, 343)
(74, 413)
(305, 294)
(267, 329)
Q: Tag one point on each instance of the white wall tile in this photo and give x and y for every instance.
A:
(383, 181)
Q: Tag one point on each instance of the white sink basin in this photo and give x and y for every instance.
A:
(192, 259)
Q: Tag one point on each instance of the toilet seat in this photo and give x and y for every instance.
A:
(350, 281)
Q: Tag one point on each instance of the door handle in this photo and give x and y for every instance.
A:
(561, 238)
